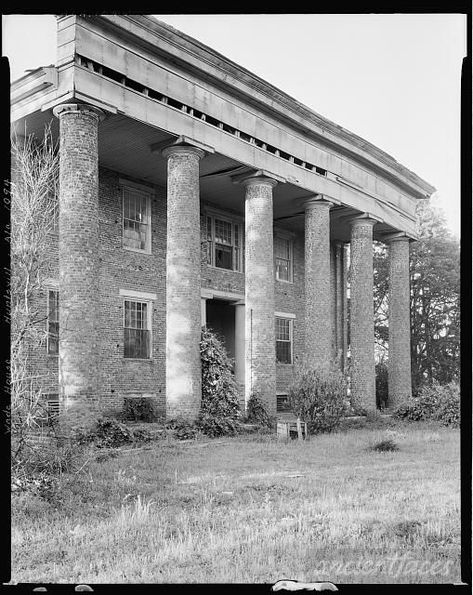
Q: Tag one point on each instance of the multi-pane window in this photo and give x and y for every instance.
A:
(282, 403)
(53, 322)
(224, 244)
(136, 220)
(283, 258)
(137, 329)
(284, 340)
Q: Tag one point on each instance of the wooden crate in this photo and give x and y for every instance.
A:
(287, 430)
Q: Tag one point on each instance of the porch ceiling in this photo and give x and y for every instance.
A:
(124, 146)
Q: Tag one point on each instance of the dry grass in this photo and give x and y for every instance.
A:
(252, 510)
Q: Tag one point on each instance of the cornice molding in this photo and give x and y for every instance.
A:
(241, 82)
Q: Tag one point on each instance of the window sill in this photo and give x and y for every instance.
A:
(284, 364)
(214, 268)
(284, 281)
(136, 251)
(138, 359)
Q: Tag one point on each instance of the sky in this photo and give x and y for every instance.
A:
(393, 79)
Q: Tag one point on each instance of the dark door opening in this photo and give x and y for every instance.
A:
(220, 316)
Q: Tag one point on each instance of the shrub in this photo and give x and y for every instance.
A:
(434, 402)
(39, 466)
(139, 409)
(111, 433)
(182, 428)
(385, 445)
(256, 412)
(220, 409)
(318, 397)
(214, 426)
(448, 412)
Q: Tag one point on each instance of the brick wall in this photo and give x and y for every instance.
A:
(289, 298)
(119, 269)
(122, 269)
(42, 365)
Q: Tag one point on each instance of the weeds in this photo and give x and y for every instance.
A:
(386, 445)
(250, 510)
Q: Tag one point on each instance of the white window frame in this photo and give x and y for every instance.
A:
(237, 260)
(129, 295)
(48, 289)
(143, 192)
(290, 318)
(289, 238)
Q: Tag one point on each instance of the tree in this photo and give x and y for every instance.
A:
(33, 211)
(435, 299)
(381, 297)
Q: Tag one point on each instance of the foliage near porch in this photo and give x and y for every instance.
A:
(250, 509)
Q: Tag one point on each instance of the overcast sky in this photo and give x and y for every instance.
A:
(392, 79)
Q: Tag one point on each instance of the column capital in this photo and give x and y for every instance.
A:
(396, 237)
(183, 150)
(364, 219)
(74, 108)
(182, 141)
(317, 200)
(260, 176)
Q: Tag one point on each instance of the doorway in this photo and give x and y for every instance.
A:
(220, 318)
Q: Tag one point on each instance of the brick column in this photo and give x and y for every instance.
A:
(240, 350)
(318, 311)
(339, 312)
(183, 297)
(240, 342)
(78, 262)
(399, 363)
(333, 300)
(345, 261)
(260, 347)
(362, 314)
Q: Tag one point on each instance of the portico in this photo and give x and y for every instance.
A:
(235, 192)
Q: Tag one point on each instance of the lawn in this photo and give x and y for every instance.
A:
(250, 509)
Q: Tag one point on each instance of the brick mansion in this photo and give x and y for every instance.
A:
(191, 193)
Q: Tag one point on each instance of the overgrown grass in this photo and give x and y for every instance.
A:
(250, 509)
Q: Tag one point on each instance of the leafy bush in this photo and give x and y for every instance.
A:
(111, 433)
(182, 428)
(385, 445)
(434, 402)
(220, 409)
(256, 412)
(142, 435)
(43, 459)
(448, 412)
(139, 409)
(319, 397)
(214, 426)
